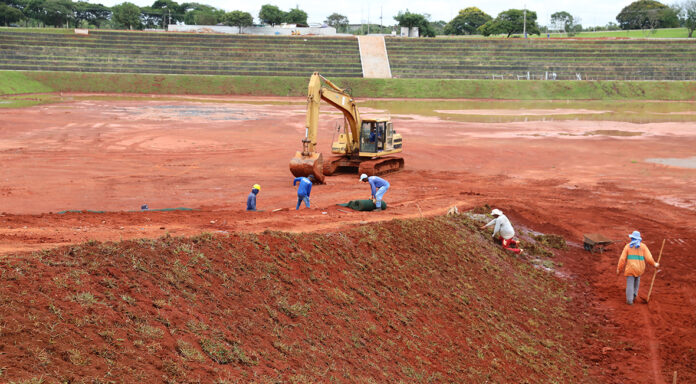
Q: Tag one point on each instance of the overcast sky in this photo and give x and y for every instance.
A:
(591, 12)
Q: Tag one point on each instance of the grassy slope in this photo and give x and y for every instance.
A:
(379, 88)
(12, 82)
(61, 31)
(635, 33)
(665, 33)
(416, 301)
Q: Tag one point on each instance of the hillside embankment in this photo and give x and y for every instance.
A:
(419, 300)
(19, 82)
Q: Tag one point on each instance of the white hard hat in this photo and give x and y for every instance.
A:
(363, 177)
(497, 212)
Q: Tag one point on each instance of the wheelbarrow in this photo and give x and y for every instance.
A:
(595, 242)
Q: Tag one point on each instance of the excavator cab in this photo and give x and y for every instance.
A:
(376, 136)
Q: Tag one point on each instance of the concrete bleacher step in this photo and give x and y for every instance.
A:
(483, 58)
(139, 52)
(143, 52)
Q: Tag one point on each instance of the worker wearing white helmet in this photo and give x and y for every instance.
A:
(379, 187)
(503, 228)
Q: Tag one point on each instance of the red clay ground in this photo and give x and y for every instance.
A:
(117, 155)
(399, 301)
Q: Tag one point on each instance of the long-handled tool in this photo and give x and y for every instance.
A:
(655, 273)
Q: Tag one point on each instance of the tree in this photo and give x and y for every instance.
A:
(295, 16)
(686, 12)
(411, 20)
(170, 10)
(205, 18)
(438, 27)
(647, 14)
(467, 22)
(151, 18)
(337, 21)
(94, 14)
(201, 14)
(270, 14)
(161, 13)
(9, 15)
(19, 4)
(34, 9)
(127, 14)
(239, 19)
(511, 21)
(561, 21)
(56, 13)
(565, 22)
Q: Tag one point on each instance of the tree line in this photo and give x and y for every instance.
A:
(641, 14)
(67, 13)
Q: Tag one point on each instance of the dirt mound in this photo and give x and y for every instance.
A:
(423, 300)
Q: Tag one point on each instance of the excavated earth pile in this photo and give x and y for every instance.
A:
(420, 300)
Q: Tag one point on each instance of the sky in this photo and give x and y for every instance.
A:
(590, 12)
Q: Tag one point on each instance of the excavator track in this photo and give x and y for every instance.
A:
(381, 166)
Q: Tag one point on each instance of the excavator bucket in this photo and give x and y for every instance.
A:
(308, 165)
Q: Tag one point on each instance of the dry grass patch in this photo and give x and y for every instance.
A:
(189, 352)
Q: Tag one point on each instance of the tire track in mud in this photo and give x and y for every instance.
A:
(655, 360)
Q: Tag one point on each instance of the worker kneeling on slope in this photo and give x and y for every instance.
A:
(379, 187)
(633, 258)
(303, 190)
(251, 199)
(505, 231)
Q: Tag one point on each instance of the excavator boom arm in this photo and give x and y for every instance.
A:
(339, 99)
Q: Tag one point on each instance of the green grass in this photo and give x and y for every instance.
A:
(633, 33)
(59, 31)
(44, 81)
(638, 33)
(14, 82)
(27, 100)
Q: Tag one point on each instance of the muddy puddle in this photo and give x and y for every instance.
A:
(505, 111)
(689, 162)
(482, 111)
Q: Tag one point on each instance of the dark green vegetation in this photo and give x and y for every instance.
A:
(126, 15)
(415, 20)
(510, 22)
(647, 14)
(513, 59)
(413, 301)
(377, 88)
(467, 22)
(272, 15)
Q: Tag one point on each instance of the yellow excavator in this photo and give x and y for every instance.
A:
(370, 146)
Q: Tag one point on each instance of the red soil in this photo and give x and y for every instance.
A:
(115, 156)
(399, 301)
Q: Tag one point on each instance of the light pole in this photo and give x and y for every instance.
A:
(524, 28)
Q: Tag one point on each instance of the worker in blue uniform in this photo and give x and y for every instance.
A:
(251, 199)
(378, 186)
(303, 190)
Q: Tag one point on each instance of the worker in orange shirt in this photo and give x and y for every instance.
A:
(633, 257)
